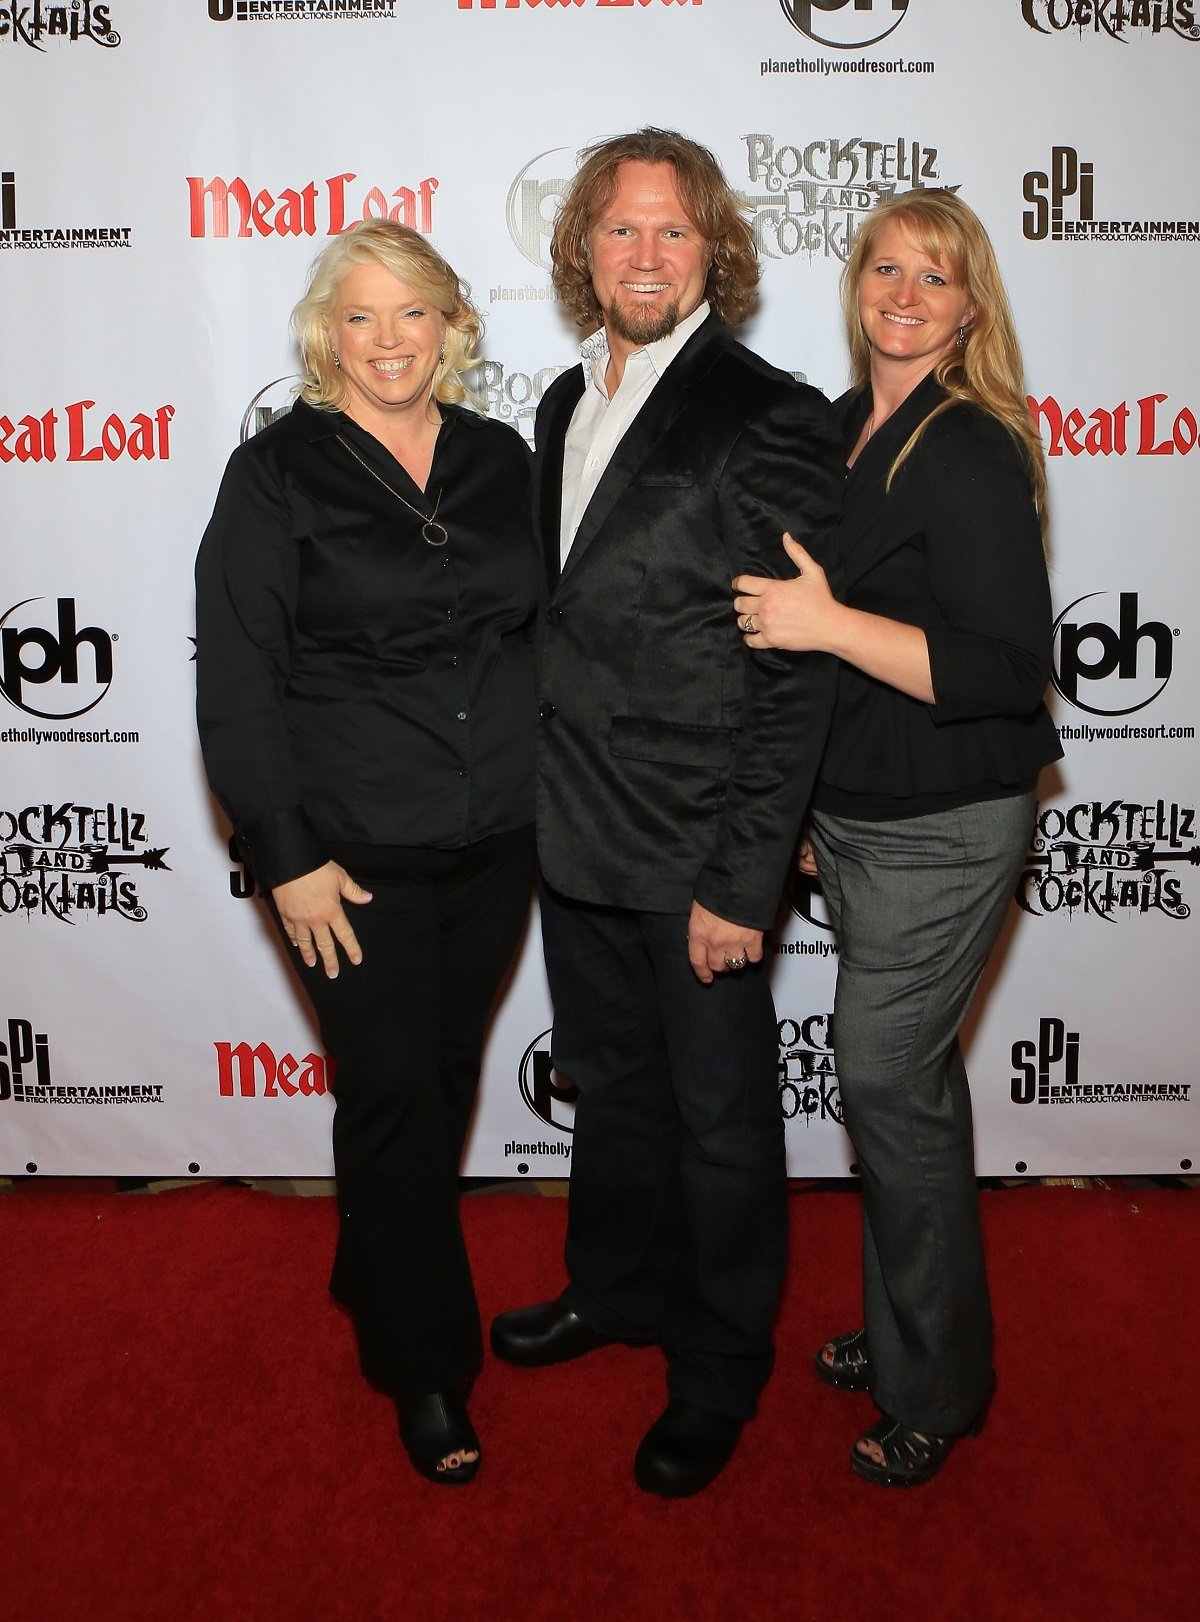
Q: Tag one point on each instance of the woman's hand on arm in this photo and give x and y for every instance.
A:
(313, 918)
(803, 616)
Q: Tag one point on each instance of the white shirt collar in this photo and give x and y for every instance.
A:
(594, 351)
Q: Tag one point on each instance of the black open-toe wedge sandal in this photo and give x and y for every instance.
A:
(850, 1369)
(432, 1428)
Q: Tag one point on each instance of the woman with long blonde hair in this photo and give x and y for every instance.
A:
(925, 800)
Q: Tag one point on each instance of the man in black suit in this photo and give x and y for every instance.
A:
(673, 769)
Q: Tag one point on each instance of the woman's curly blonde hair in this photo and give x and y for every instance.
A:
(411, 259)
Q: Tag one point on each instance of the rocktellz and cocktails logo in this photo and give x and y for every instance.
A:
(808, 1083)
(846, 25)
(1108, 859)
(513, 397)
(1118, 19)
(323, 208)
(25, 1076)
(1047, 1072)
(14, 235)
(1071, 181)
(31, 23)
(309, 11)
(67, 859)
(814, 195)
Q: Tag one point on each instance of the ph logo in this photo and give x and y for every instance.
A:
(847, 25)
(1036, 1064)
(1048, 192)
(550, 1096)
(1122, 667)
(533, 202)
(33, 657)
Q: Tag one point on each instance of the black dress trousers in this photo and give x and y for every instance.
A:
(406, 1029)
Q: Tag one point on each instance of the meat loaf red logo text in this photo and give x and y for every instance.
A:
(79, 433)
(68, 861)
(1153, 425)
(318, 208)
(1110, 859)
(256, 1072)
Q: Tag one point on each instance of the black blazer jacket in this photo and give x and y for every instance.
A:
(674, 763)
(954, 546)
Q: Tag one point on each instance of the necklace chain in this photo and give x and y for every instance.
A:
(432, 533)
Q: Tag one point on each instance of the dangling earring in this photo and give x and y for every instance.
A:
(962, 337)
(442, 355)
(337, 360)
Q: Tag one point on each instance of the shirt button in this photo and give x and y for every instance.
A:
(453, 661)
(449, 613)
(547, 711)
(462, 715)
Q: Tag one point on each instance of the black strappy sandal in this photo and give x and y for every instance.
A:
(909, 1457)
(850, 1369)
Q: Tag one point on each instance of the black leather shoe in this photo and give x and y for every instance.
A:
(685, 1449)
(432, 1428)
(534, 1337)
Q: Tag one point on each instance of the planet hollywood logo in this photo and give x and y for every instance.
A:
(808, 1083)
(78, 21)
(40, 669)
(550, 1096)
(269, 405)
(1046, 1071)
(14, 235)
(1149, 426)
(311, 11)
(845, 25)
(68, 861)
(1116, 19)
(1122, 661)
(325, 208)
(258, 1072)
(25, 1076)
(533, 202)
(1109, 859)
(809, 198)
(513, 397)
(1063, 199)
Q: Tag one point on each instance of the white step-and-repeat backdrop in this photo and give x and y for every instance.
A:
(167, 173)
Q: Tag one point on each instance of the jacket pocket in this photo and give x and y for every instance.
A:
(671, 743)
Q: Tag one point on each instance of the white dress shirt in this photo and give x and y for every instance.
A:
(599, 423)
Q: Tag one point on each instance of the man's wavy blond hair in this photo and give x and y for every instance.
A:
(709, 201)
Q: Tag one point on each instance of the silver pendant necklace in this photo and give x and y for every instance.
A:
(432, 533)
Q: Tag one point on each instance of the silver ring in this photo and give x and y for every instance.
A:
(748, 625)
(735, 962)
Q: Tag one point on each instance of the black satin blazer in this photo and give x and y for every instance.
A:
(955, 547)
(673, 763)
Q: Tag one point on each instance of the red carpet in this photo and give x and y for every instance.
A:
(184, 1434)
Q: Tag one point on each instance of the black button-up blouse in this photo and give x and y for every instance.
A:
(356, 684)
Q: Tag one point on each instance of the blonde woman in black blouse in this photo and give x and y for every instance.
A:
(364, 666)
(925, 800)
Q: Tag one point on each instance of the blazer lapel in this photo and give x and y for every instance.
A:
(667, 399)
(864, 514)
(551, 440)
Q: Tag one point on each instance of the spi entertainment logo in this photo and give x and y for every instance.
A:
(15, 235)
(1063, 208)
(1121, 661)
(846, 25)
(1046, 1071)
(312, 11)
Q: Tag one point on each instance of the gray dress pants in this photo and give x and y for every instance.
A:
(917, 904)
